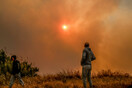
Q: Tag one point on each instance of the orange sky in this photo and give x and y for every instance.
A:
(33, 29)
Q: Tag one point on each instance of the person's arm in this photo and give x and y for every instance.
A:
(93, 56)
(83, 57)
(12, 71)
(19, 66)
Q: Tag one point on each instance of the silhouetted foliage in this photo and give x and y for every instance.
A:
(6, 66)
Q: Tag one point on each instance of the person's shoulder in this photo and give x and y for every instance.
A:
(89, 49)
(85, 49)
(17, 61)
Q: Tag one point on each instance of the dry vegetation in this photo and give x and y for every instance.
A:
(64, 79)
(69, 79)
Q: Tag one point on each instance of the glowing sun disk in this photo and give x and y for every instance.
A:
(64, 27)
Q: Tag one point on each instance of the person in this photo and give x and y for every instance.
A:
(15, 71)
(87, 57)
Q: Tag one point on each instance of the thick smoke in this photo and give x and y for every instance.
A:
(32, 28)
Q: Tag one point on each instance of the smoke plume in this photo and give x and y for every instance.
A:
(32, 28)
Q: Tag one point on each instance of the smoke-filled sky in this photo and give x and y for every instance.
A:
(33, 29)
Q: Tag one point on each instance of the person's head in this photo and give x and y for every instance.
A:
(13, 57)
(86, 44)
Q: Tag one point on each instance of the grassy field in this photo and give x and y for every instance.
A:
(69, 79)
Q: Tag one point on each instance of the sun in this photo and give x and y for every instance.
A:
(64, 27)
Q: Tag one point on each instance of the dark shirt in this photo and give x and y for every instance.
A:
(16, 67)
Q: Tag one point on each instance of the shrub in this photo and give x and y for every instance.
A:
(6, 66)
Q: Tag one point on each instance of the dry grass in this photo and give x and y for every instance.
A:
(69, 79)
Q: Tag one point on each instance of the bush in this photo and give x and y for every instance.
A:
(6, 66)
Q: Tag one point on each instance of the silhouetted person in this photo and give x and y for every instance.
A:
(15, 71)
(87, 57)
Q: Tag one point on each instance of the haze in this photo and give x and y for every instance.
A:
(33, 29)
